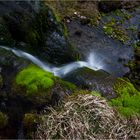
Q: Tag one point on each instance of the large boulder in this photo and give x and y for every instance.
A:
(32, 26)
(107, 85)
(89, 79)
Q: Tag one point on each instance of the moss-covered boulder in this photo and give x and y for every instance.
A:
(107, 85)
(100, 80)
(128, 100)
(34, 84)
(38, 28)
(39, 86)
(34, 79)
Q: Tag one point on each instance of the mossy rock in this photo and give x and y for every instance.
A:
(40, 86)
(35, 81)
(66, 85)
(3, 120)
(121, 86)
(128, 100)
(112, 29)
(84, 92)
(33, 84)
(81, 92)
(30, 121)
(92, 80)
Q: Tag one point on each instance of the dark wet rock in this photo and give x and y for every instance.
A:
(5, 36)
(103, 50)
(137, 53)
(134, 74)
(139, 31)
(10, 64)
(10, 104)
(1, 82)
(108, 6)
(100, 80)
(35, 24)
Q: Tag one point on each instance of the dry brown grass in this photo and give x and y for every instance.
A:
(86, 117)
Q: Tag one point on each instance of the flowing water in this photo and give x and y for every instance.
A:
(59, 71)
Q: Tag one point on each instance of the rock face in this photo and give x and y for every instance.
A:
(32, 26)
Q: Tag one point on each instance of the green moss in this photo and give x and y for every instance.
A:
(115, 31)
(122, 86)
(32, 38)
(136, 45)
(3, 120)
(133, 29)
(83, 92)
(34, 79)
(95, 93)
(29, 120)
(132, 65)
(122, 14)
(128, 100)
(67, 85)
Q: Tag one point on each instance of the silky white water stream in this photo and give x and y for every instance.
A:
(58, 71)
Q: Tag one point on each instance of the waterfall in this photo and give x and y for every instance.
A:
(95, 60)
(57, 71)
